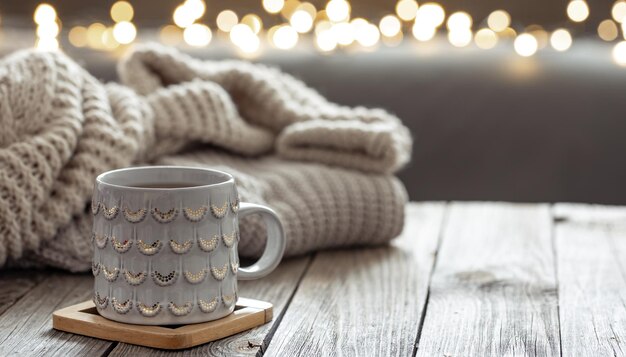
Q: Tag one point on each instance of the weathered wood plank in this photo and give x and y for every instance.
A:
(26, 327)
(364, 302)
(493, 291)
(596, 214)
(276, 288)
(592, 281)
(16, 283)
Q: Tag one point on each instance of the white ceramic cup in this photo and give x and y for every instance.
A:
(165, 244)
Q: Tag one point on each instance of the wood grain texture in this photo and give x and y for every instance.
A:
(364, 302)
(592, 281)
(16, 283)
(26, 327)
(596, 214)
(493, 291)
(276, 288)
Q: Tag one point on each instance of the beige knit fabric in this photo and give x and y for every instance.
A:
(324, 168)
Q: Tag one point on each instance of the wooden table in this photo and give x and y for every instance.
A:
(463, 279)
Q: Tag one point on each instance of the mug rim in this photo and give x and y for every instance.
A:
(228, 178)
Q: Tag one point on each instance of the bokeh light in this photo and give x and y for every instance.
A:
(508, 33)
(431, 14)
(578, 10)
(243, 37)
(390, 26)
(423, 31)
(124, 32)
(368, 35)
(607, 30)
(561, 40)
(406, 9)
(226, 20)
(44, 13)
(338, 10)
(525, 45)
(47, 44)
(273, 6)
(343, 33)
(486, 39)
(499, 20)
(183, 16)
(541, 35)
(460, 37)
(122, 11)
(94, 34)
(108, 40)
(308, 8)
(170, 35)
(394, 40)
(459, 21)
(325, 40)
(619, 53)
(197, 35)
(289, 8)
(195, 7)
(301, 21)
(253, 21)
(618, 11)
(285, 37)
(322, 26)
(78, 36)
(48, 30)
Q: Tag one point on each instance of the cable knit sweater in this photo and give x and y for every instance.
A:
(327, 170)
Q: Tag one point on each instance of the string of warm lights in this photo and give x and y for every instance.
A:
(332, 27)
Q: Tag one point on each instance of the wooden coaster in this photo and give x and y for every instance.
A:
(83, 319)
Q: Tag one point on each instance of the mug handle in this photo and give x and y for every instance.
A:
(275, 246)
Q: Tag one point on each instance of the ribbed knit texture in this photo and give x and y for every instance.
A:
(326, 169)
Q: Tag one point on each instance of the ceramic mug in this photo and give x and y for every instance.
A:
(165, 244)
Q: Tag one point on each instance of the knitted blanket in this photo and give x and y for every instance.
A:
(326, 169)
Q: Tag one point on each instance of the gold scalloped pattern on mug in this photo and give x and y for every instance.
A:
(208, 306)
(229, 300)
(234, 267)
(195, 215)
(101, 240)
(134, 216)
(109, 213)
(164, 280)
(180, 248)
(195, 278)
(135, 278)
(208, 245)
(164, 217)
(229, 239)
(180, 310)
(219, 273)
(219, 212)
(100, 301)
(148, 311)
(95, 207)
(110, 275)
(121, 247)
(121, 307)
(95, 268)
(234, 206)
(149, 249)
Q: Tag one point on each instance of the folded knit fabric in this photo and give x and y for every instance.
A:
(326, 169)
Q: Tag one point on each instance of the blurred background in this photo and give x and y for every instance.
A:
(517, 100)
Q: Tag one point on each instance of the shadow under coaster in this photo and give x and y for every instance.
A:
(83, 319)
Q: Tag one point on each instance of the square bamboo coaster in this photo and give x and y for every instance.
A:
(83, 319)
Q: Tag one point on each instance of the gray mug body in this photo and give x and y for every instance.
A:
(165, 245)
